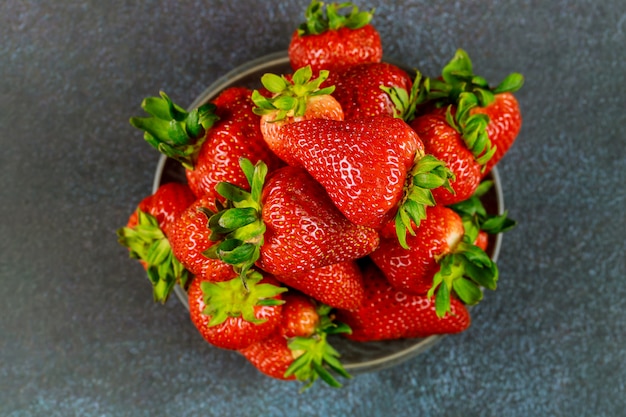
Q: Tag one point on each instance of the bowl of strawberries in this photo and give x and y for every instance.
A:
(327, 213)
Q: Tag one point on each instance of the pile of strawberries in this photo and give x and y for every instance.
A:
(342, 198)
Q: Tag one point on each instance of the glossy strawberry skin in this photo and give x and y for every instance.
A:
(271, 356)
(362, 164)
(413, 270)
(190, 237)
(446, 144)
(339, 285)
(299, 316)
(304, 230)
(505, 122)
(236, 134)
(357, 89)
(235, 333)
(166, 204)
(335, 49)
(388, 313)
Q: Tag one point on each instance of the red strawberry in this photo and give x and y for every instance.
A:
(231, 316)
(445, 143)
(372, 168)
(209, 140)
(306, 354)
(146, 236)
(293, 99)
(439, 260)
(388, 313)
(285, 225)
(488, 119)
(366, 90)
(338, 285)
(330, 40)
(190, 238)
(299, 316)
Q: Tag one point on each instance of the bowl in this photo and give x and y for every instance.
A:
(357, 357)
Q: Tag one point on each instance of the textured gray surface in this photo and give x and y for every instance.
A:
(79, 333)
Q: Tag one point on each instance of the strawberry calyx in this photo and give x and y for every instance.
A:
(321, 18)
(406, 102)
(427, 173)
(238, 227)
(459, 87)
(147, 243)
(234, 299)
(174, 131)
(289, 96)
(463, 271)
(475, 217)
(315, 357)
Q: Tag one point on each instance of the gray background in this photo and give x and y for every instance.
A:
(79, 333)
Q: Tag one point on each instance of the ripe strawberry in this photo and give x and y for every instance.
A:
(190, 237)
(330, 40)
(439, 259)
(209, 140)
(293, 99)
(300, 317)
(372, 168)
(389, 313)
(339, 285)
(146, 236)
(304, 355)
(230, 315)
(285, 225)
(366, 90)
(488, 119)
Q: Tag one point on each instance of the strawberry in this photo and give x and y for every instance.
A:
(373, 169)
(305, 354)
(209, 140)
(190, 238)
(293, 99)
(440, 259)
(146, 236)
(285, 225)
(331, 40)
(339, 285)
(366, 90)
(488, 118)
(389, 313)
(230, 315)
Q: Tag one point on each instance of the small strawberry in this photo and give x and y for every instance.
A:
(207, 141)
(373, 169)
(230, 315)
(304, 355)
(488, 118)
(366, 90)
(339, 285)
(389, 313)
(300, 317)
(146, 237)
(293, 99)
(439, 259)
(190, 237)
(331, 40)
(285, 225)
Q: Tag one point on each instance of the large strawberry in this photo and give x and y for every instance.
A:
(372, 89)
(209, 140)
(439, 260)
(389, 313)
(231, 315)
(339, 285)
(488, 118)
(146, 236)
(292, 99)
(374, 169)
(332, 40)
(285, 225)
(303, 354)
